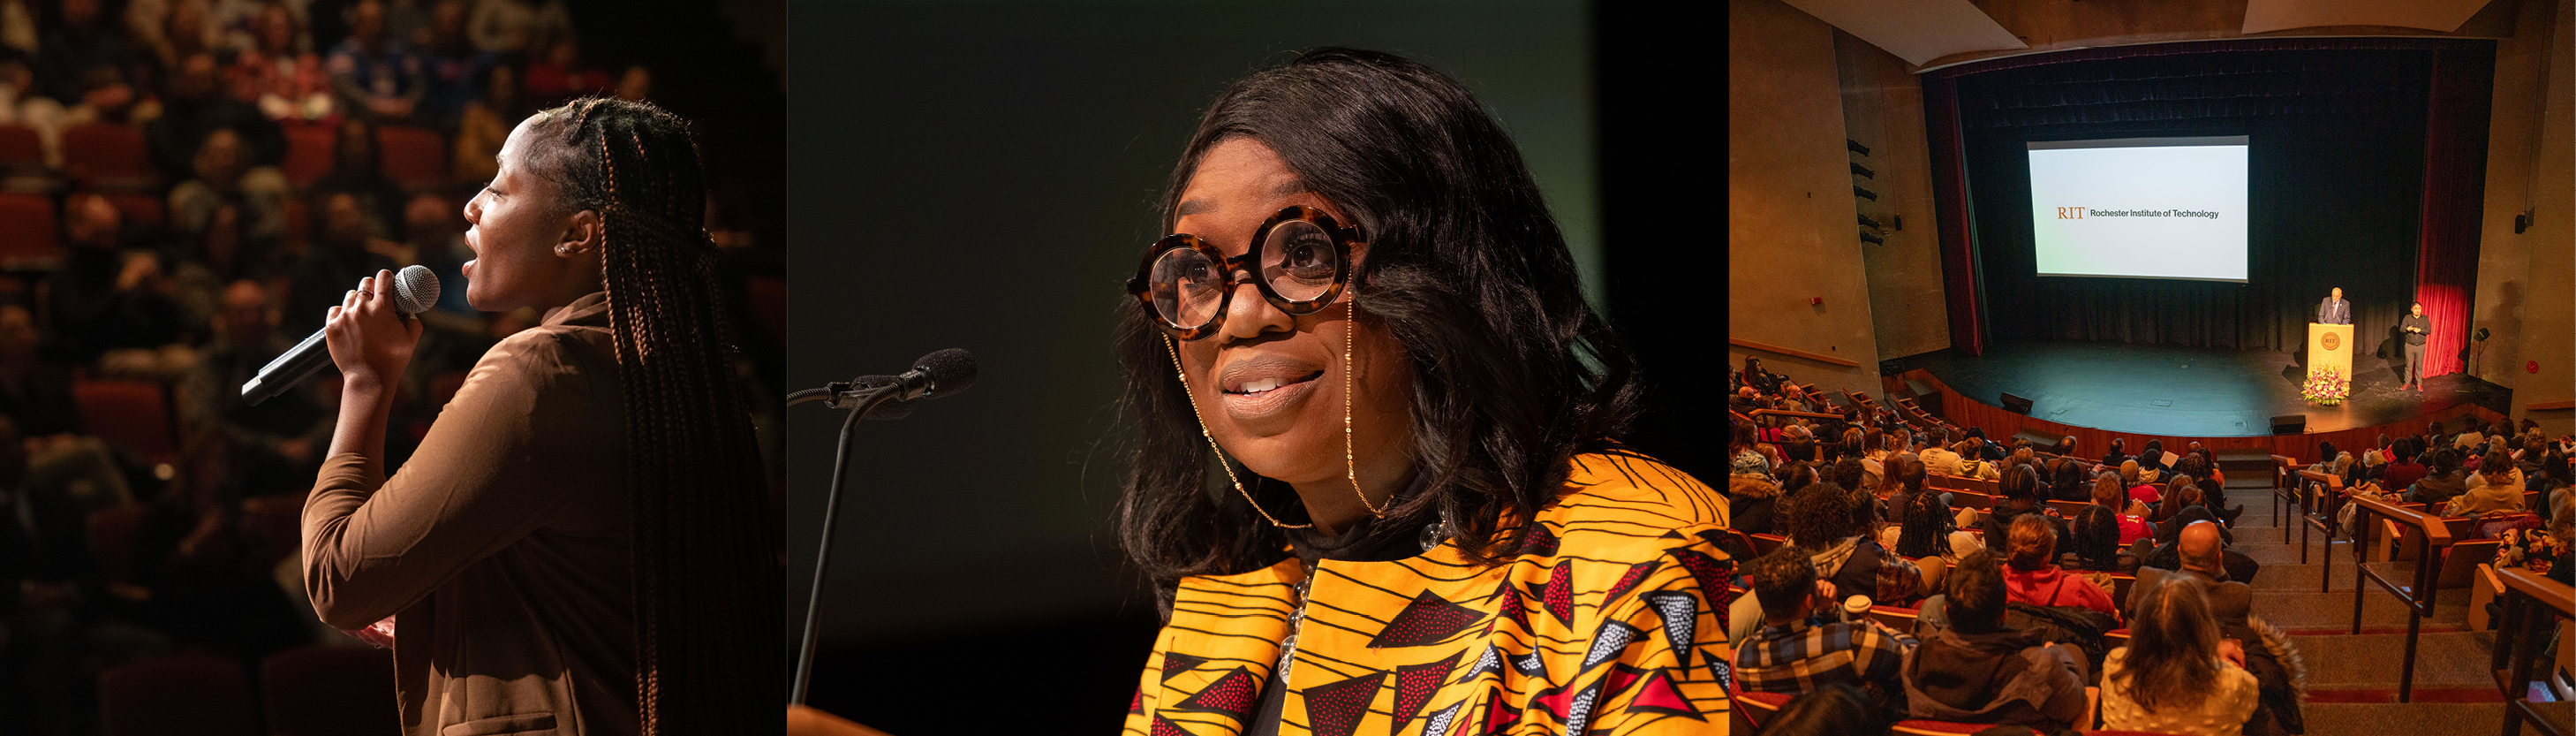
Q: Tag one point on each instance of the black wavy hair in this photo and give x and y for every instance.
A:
(1513, 373)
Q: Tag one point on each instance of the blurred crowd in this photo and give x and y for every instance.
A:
(189, 186)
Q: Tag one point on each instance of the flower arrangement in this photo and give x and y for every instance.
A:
(2326, 387)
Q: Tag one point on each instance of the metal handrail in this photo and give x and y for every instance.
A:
(2437, 536)
(2518, 636)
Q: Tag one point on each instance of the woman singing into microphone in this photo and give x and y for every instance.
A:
(1368, 322)
(581, 543)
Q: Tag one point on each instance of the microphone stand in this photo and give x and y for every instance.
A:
(859, 405)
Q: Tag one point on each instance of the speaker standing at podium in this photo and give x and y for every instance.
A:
(2416, 326)
(2334, 310)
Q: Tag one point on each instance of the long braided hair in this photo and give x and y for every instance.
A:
(709, 655)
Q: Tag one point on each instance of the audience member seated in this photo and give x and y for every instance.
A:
(1832, 523)
(197, 107)
(636, 85)
(1939, 459)
(2131, 515)
(1986, 449)
(1970, 668)
(1755, 500)
(338, 257)
(2065, 447)
(2116, 456)
(37, 396)
(456, 70)
(1804, 644)
(1793, 477)
(357, 169)
(2033, 576)
(2406, 468)
(2446, 480)
(2151, 461)
(375, 74)
(219, 254)
(486, 123)
(280, 72)
(2096, 550)
(106, 297)
(2553, 480)
(2140, 483)
(1924, 527)
(2071, 482)
(277, 444)
(2020, 490)
(84, 62)
(226, 173)
(2177, 676)
(2498, 487)
(2202, 559)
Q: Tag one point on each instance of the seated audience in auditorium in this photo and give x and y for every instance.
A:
(2497, 487)
(1924, 525)
(2019, 496)
(375, 74)
(1939, 459)
(1746, 457)
(1754, 500)
(2406, 466)
(2032, 574)
(1793, 476)
(2497, 466)
(1871, 446)
(225, 172)
(339, 256)
(1832, 524)
(2152, 460)
(357, 169)
(1987, 450)
(2446, 480)
(2177, 675)
(212, 260)
(452, 66)
(2203, 562)
(274, 444)
(2548, 551)
(2184, 506)
(1758, 379)
(2096, 548)
(2141, 485)
(105, 296)
(2553, 480)
(1795, 651)
(2071, 483)
(2129, 514)
(2380, 453)
(1971, 669)
(2065, 447)
(2117, 454)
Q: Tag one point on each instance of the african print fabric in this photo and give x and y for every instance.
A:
(1608, 621)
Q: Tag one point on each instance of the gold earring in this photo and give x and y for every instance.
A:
(1175, 348)
(1350, 458)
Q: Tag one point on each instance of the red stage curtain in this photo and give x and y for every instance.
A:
(2455, 170)
(1959, 281)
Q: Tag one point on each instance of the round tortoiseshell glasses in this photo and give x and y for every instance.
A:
(1302, 257)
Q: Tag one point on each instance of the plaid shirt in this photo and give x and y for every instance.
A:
(1802, 657)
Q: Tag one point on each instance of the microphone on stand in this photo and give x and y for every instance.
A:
(415, 291)
(938, 375)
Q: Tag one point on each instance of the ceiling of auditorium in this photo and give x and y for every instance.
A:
(1919, 31)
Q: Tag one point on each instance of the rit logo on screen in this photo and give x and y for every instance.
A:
(2070, 213)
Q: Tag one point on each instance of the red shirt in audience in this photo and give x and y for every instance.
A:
(2145, 492)
(2051, 586)
(2402, 474)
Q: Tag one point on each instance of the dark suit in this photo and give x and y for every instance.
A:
(2417, 327)
(2334, 311)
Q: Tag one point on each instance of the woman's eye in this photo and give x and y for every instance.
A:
(1309, 255)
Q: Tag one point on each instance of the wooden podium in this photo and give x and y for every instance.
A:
(2330, 346)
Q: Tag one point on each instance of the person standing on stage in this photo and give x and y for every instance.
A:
(580, 545)
(2416, 326)
(2334, 310)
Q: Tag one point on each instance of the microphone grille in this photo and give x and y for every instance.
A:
(415, 289)
(951, 371)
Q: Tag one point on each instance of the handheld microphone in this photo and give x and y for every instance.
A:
(415, 291)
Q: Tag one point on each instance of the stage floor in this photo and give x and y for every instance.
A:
(2165, 390)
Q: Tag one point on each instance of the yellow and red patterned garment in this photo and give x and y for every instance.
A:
(1607, 622)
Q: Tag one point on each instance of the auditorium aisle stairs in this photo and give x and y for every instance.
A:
(2353, 678)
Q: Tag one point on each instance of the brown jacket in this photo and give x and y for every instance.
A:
(502, 543)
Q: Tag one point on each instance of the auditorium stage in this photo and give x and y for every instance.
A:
(2164, 390)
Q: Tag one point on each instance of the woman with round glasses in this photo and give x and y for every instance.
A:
(1367, 321)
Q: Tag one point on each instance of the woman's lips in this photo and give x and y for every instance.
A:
(1267, 396)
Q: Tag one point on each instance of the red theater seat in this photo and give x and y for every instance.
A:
(29, 237)
(415, 158)
(20, 148)
(108, 156)
(308, 153)
(128, 414)
(190, 694)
